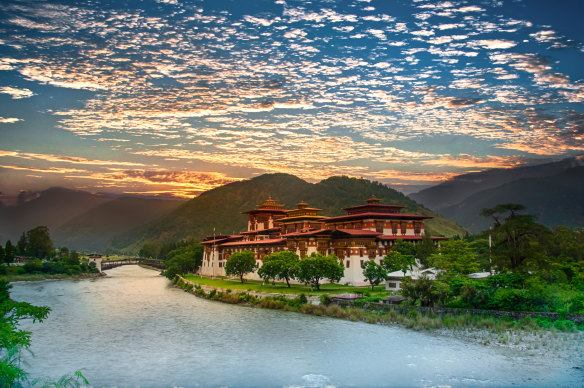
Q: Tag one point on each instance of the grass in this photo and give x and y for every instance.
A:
(282, 288)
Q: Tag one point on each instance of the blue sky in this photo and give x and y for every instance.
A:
(175, 97)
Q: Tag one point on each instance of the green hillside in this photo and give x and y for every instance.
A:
(220, 208)
(95, 229)
(555, 200)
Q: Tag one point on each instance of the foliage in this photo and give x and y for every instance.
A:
(38, 243)
(184, 260)
(151, 250)
(312, 269)
(428, 292)
(455, 256)
(12, 339)
(72, 258)
(240, 263)
(516, 237)
(397, 261)
(282, 265)
(9, 252)
(374, 273)
(21, 244)
(424, 249)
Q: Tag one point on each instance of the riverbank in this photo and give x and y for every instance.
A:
(45, 276)
(503, 330)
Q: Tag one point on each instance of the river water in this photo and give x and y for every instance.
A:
(133, 329)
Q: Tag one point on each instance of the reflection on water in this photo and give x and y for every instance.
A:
(133, 329)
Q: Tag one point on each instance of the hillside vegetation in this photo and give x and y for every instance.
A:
(220, 208)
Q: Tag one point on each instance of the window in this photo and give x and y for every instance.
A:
(348, 263)
(379, 227)
(361, 252)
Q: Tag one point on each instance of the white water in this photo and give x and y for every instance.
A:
(132, 329)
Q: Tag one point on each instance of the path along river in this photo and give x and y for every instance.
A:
(133, 329)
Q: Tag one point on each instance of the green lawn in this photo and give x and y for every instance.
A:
(280, 287)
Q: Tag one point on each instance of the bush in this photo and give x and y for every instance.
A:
(326, 299)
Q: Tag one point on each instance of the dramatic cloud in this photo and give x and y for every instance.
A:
(137, 94)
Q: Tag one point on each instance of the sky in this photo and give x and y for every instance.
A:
(172, 98)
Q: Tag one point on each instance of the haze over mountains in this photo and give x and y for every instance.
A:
(94, 222)
(554, 192)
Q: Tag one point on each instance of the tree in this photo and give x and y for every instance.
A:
(72, 258)
(396, 261)
(9, 252)
(427, 291)
(282, 265)
(63, 253)
(240, 263)
(374, 272)
(184, 260)
(13, 340)
(316, 267)
(2, 254)
(424, 249)
(151, 250)
(515, 237)
(455, 256)
(39, 243)
(21, 245)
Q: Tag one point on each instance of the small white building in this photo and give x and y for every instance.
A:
(395, 279)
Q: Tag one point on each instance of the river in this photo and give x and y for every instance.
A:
(133, 329)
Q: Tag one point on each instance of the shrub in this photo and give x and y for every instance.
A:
(326, 299)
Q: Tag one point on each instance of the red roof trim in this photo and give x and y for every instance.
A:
(309, 233)
(259, 242)
(377, 215)
(275, 229)
(359, 232)
(372, 205)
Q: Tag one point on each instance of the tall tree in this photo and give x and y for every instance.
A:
(515, 237)
(240, 263)
(72, 258)
(312, 269)
(184, 260)
(9, 252)
(374, 273)
(424, 249)
(282, 265)
(396, 261)
(21, 245)
(39, 243)
(455, 256)
(2, 254)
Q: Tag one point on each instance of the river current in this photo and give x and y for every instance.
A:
(133, 329)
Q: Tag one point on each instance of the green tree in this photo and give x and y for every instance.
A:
(374, 273)
(282, 265)
(9, 251)
(396, 261)
(424, 249)
(39, 243)
(516, 237)
(21, 245)
(316, 267)
(12, 339)
(186, 259)
(2, 255)
(455, 256)
(72, 258)
(240, 263)
(427, 291)
(63, 253)
(151, 250)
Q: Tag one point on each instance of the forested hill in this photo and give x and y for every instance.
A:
(221, 207)
(554, 200)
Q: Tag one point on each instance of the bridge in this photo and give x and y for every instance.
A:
(109, 264)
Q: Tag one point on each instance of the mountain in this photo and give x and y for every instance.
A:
(95, 229)
(220, 208)
(52, 208)
(461, 187)
(554, 200)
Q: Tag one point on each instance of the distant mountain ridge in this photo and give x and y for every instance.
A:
(79, 219)
(463, 186)
(554, 192)
(220, 208)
